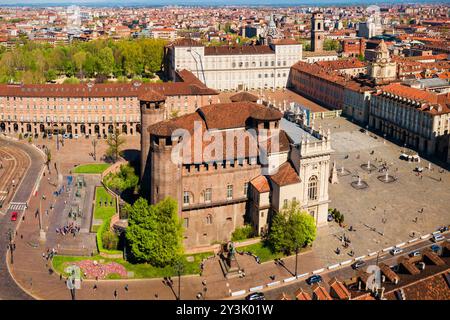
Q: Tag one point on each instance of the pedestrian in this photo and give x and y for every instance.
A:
(126, 287)
(95, 287)
(115, 294)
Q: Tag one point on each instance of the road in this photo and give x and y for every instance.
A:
(8, 288)
(343, 273)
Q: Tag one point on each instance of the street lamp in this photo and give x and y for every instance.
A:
(11, 246)
(94, 144)
(296, 260)
(179, 268)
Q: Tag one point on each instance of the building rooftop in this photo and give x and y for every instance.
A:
(296, 133)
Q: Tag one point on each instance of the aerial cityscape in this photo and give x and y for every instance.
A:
(235, 150)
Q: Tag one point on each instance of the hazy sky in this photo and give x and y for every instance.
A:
(208, 2)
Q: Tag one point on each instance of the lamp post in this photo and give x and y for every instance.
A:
(296, 260)
(179, 268)
(12, 246)
(94, 144)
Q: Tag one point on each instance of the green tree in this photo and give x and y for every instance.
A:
(291, 229)
(331, 44)
(114, 142)
(123, 180)
(80, 59)
(154, 232)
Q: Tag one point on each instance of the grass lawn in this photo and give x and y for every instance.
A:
(101, 211)
(264, 253)
(91, 168)
(141, 270)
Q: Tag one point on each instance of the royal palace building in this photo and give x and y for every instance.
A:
(246, 67)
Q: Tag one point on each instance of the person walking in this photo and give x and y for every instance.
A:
(115, 294)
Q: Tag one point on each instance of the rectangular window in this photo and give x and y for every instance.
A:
(186, 222)
(186, 198)
(208, 194)
(245, 188)
(229, 191)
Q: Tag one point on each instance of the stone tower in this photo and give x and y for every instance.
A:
(317, 32)
(152, 106)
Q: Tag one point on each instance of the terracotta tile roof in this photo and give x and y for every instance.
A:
(243, 97)
(228, 50)
(220, 117)
(339, 289)
(342, 64)
(261, 184)
(186, 42)
(285, 41)
(435, 287)
(229, 115)
(285, 175)
(302, 295)
(268, 114)
(318, 71)
(320, 293)
(432, 101)
(151, 95)
(103, 90)
(390, 275)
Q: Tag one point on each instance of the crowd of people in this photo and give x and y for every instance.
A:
(71, 228)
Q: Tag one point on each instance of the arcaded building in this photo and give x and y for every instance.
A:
(94, 109)
(219, 187)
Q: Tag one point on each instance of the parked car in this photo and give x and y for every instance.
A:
(435, 248)
(75, 136)
(438, 237)
(49, 136)
(256, 296)
(330, 217)
(65, 136)
(87, 136)
(396, 251)
(14, 216)
(443, 229)
(358, 264)
(314, 279)
(99, 136)
(105, 136)
(25, 135)
(415, 253)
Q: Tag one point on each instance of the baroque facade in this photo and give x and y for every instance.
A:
(234, 68)
(221, 192)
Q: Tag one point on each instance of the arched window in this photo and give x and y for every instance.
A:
(209, 219)
(312, 188)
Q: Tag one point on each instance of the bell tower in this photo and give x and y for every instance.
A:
(317, 32)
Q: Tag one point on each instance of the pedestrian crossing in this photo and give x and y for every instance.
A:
(2, 197)
(17, 206)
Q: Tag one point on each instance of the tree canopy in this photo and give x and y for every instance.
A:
(291, 229)
(154, 232)
(39, 63)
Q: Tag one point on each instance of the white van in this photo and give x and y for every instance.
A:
(396, 251)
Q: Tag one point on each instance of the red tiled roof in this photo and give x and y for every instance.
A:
(261, 184)
(320, 293)
(342, 64)
(103, 90)
(285, 175)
